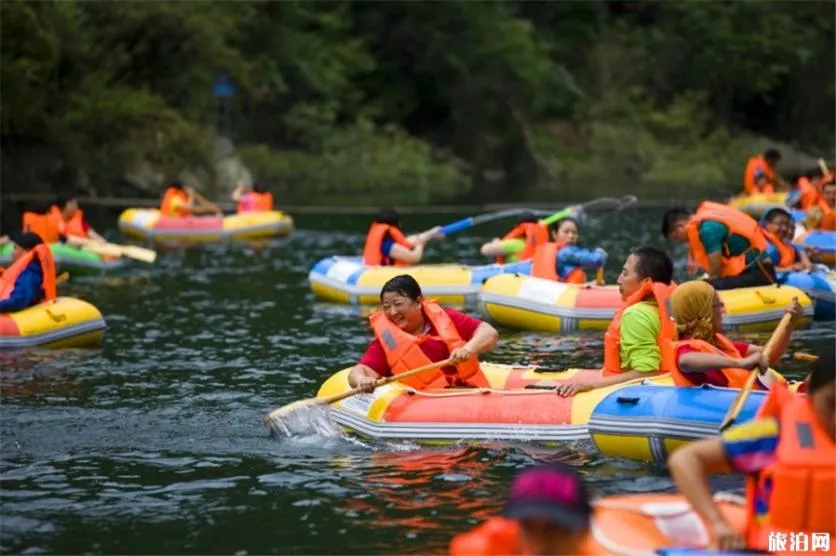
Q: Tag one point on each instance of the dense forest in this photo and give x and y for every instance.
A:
(411, 102)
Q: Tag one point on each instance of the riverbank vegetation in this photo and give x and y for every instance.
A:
(412, 102)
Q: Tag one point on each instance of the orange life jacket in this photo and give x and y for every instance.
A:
(533, 233)
(72, 227)
(500, 536)
(785, 250)
(255, 202)
(44, 257)
(737, 222)
(810, 195)
(750, 187)
(828, 221)
(169, 205)
(374, 242)
(736, 377)
(667, 332)
(544, 264)
(403, 351)
(41, 224)
(802, 476)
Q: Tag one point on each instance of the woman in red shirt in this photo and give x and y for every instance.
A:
(407, 320)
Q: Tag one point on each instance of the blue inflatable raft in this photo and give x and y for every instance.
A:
(820, 285)
(648, 422)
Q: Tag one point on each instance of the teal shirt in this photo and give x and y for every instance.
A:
(714, 235)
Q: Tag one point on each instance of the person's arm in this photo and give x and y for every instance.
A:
(712, 235)
(484, 339)
(361, 376)
(690, 467)
(783, 341)
(406, 255)
(583, 258)
(238, 191)
(804, 261)
(698, 362)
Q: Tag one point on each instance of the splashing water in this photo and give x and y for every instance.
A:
(304, 420)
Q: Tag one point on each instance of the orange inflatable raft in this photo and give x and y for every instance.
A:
(520, 405)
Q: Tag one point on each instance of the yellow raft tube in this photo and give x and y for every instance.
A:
(757, 205)
(520, 405)
(528, 303)
(149, 224)
(66, 322)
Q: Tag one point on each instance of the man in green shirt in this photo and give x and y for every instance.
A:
(721, 246)
(638, 354)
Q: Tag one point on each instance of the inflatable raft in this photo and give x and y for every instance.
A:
(820, 285)
(149, 224)
(823, 241)
(63, 323)
(72, 259)
(657, 523)
(757, 205)
(520, 406)
(528, 303)
(348, 280)
(648, 422)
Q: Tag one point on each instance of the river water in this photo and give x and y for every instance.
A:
(153, 444)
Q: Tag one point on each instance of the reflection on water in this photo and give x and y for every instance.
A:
(154, 442)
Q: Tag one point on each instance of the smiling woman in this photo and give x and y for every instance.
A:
(411, 332)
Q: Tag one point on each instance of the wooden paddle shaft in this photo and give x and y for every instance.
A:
(737, 405)
(384, 381)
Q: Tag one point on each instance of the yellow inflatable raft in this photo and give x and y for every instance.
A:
(520, 405)
(149, 224)
(757, 205)
(63, 323)
(348, 280)
(528, 303)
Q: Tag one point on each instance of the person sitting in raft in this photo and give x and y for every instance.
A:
(561, 259)
(520, 243)
(36, 219)
(778, 227)
(256, 200)
(637, 342)
(31, 277)
(788, 455)
(386, 244)
(703, 354)
(407, 321)
(760, 175)
(726, 243)
(824, 218)
(808, 191)
(70, 221)
(182, 201)
(548, 511)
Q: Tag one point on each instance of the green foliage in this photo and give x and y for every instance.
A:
(354, 100)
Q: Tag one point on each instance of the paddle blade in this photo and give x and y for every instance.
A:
(302, 418)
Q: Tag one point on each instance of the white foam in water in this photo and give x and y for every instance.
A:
(305, 421)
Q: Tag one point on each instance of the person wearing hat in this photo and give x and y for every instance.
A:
(547, 512)
(31, 277)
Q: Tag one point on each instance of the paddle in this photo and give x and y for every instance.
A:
(283, 412)
(824, 169)
(471, 221)
(743, 395)
(63, 277)
(114, 249)
(204, 201)
(602, 203)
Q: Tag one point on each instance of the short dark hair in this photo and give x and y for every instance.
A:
(774, 213)
(176, 184)
(62, 201)
(653, 263)
(814, 172)
(388, 215)
(403, 284)
(26, 240)
(259, 187)
(671, 218)
(526, 217)
(38, 207)
(555, 226)
(824, 372)
(772, 154)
